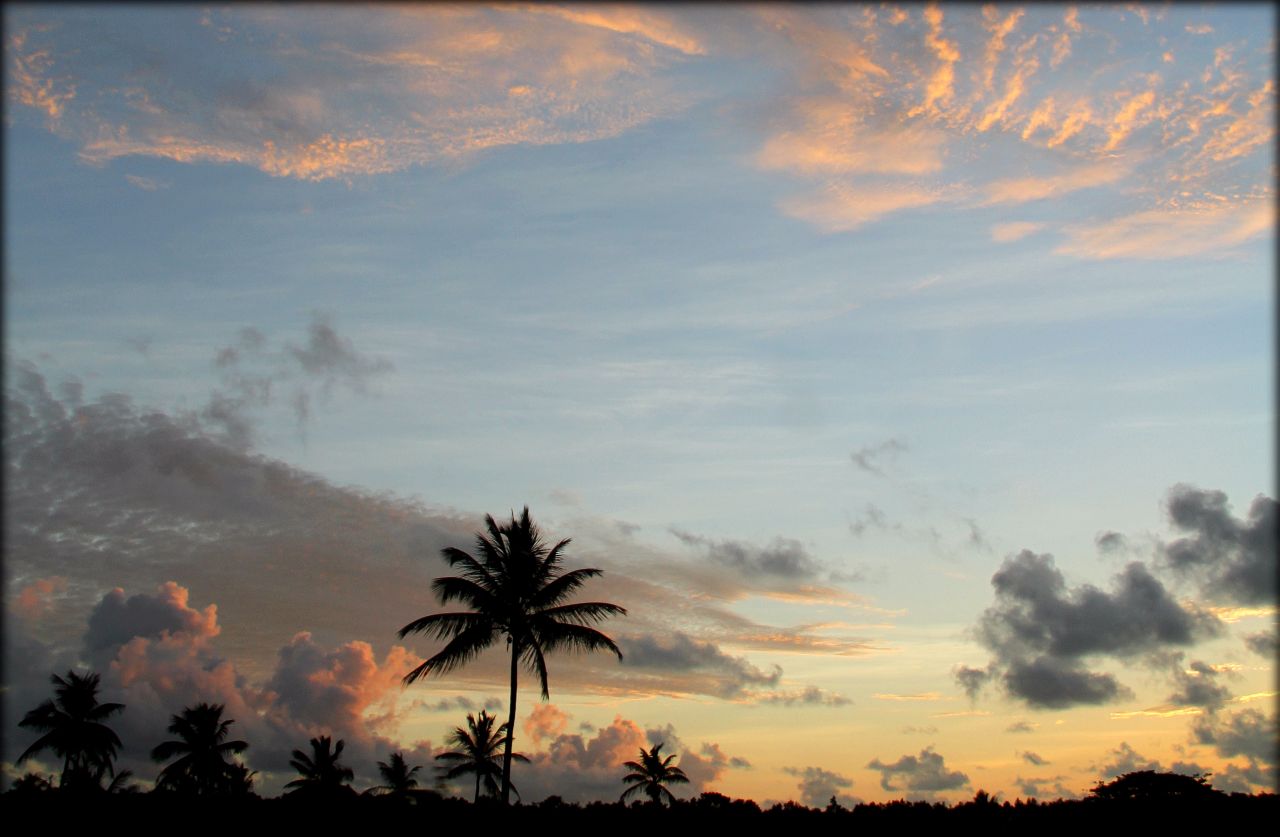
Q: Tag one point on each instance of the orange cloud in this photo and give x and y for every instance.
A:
(1128, 118)
(28, 82)
(1172, 233)
(835, 139)
(631, 20)
(35, 599)
(999, 29)
(1254, 129)
(940, 86)
(842, 207)
(1023, 189)
(546, 721)
(1014, 230)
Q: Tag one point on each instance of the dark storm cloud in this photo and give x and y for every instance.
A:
(1043, 633)
(818, 787)
(869, 458)
(925, 773)
(1109, 541)
(808, 696)
(333, 358)
(1196, 685)
(1247, 733)
(1263, 643)
(1234, 560)
(785, 558)
(681, 653)
(111, 494)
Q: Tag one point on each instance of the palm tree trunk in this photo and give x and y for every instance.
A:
(511, 727)
(476, 798)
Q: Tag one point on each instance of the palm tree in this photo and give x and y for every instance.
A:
(651, 773)
(202, 768)
(320, 771)
(515, 588)
(73, 728)
(477, 752)
(398, 777)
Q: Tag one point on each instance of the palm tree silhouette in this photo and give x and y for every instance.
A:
(73, 728)
(515, 588)
(398, 777)
(320, 772)
(202, 767)
(651, 773)
(477, 752)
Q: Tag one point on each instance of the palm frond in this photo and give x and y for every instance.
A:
(582, 613)
(445, 625)
(559, 588)
(465, 647)
(576, 638)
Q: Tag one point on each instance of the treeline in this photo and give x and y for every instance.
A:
(709, 810)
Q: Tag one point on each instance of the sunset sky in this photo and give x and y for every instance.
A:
(907, 369)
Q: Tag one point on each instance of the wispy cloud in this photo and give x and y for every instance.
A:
(1173, 232)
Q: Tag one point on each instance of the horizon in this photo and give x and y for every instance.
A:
(907, 370)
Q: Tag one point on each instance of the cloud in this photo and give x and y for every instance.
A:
(1247, 733)
(36, 597)
(818, 786)
(727, 676)
(351, 94)
(1014, 230)
(869, 457)
(921, 775)
(785, 558)
(147, 184)
(843, 207)
(1172, 233)
(1032, 758)
(1262, 643)
(546, 721)
(833, 136)
(1043, 633)
(1021, 726)
(809, 696)
(117, 619)
(582, 769)
(1025, 189)
(1036, 788)
(1195, 686)
(1233, 559)
(1109, 541)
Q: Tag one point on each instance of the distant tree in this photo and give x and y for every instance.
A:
(1148, 785)
(651, 774)
(514, 587)
(321, 774)
(31, 783)
(73, 728)
(202, 768)
(477, 753)
(398, 777)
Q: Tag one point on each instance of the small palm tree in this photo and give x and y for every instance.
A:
(514, 588)
(398, 777)
(477, 753)
(73, 728)
(651, 774)
(320, 772)
(202, 767)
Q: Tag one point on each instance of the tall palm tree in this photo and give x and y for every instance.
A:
(202, 767)
(73, 728)
(477, 752)
(398, 777)
(651, 774)
(515, 588)
(320, 771)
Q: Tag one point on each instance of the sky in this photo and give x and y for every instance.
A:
(907, 370)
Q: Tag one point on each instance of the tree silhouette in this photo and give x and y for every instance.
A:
(515, 588)
(202, 768)
(398, 777)
(320, 772)
(73, 728)
(651, 774)
(1149, 785)
(477, 752)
